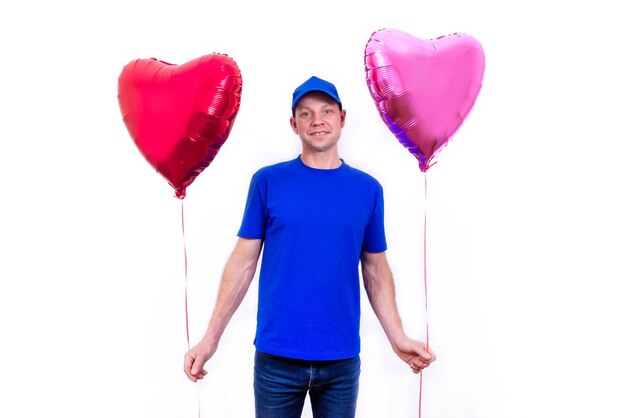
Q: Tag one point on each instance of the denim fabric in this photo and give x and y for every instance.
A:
(281, 386)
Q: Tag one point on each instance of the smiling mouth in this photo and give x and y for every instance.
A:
(320, 133)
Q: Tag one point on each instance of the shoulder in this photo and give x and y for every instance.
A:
(273, 170)
(277, 167)
(362, 176)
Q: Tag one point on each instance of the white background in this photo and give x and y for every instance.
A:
(525, 208)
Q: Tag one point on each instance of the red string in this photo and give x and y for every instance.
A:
(182, 216)
(420, 398)
(425, 292)
(425, 275)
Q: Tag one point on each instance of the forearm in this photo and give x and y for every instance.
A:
(236, 278)
(380, 288)
(381, 292)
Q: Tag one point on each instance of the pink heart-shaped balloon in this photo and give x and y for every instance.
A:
(423, 89)
(180, 115)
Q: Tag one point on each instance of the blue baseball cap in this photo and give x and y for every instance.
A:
(314, 84)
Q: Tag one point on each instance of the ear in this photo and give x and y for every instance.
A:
(294, 125)
(343, 117)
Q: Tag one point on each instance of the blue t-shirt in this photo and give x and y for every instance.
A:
(315, 223)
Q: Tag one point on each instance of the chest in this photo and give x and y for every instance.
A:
(320, 205)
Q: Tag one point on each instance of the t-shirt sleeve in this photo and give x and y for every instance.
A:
(254, 219)
(375, 240)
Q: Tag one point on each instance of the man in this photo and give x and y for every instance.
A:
(316, 218)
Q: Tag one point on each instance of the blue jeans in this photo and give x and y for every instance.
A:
(281, 385)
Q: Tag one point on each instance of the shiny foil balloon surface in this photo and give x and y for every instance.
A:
(180, 115)
(423, 89)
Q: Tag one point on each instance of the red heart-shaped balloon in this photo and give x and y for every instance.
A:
(180, 115)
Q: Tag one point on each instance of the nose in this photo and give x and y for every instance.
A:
(318, 119)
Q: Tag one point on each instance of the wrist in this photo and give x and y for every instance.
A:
(211, 337)
(397, 339)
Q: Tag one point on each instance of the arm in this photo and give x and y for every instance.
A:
(236, 278)
(380, 289)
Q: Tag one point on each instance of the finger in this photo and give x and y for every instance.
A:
(190, 375)
(197, 369)
(195, 365)
(188, 362)
(416, 370)
(426, 354)
(428, 358)
(419, 362)
(192, 369)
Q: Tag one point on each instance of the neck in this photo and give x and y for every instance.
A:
(323, 160)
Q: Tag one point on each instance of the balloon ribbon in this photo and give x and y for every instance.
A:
(425, 292)
(182, 217)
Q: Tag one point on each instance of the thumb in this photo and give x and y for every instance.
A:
(193, 365)
(423, 352)
(195, 369)
(197, 364)
(190, 362)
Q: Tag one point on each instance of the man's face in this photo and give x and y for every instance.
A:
(318, 121)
